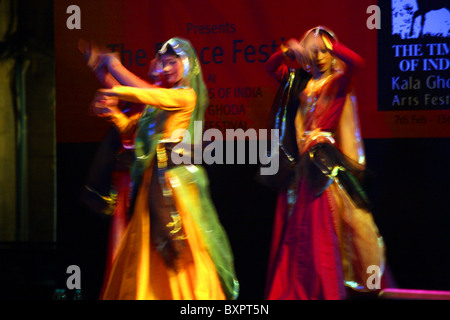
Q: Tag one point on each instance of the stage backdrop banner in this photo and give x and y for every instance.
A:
(235, 38)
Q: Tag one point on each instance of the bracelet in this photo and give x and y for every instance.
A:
(285, 50)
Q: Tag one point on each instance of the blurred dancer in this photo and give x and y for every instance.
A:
(107, 189)
(324, 236)
(174, 246)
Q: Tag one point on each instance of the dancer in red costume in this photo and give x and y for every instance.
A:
(324, 235)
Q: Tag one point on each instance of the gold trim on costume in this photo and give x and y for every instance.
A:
(110, 201)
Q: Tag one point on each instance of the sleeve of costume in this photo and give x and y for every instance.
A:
(350, 58)
(166, 99)
(341, 88)
(275, 67)
(126, 125)
(352, 61)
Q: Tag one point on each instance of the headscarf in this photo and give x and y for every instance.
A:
(315, 32)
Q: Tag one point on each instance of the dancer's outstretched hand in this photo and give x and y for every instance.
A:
(95, 56)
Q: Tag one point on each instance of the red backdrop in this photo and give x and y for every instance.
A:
(233, 38)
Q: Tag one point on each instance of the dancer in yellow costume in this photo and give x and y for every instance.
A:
(174, 246)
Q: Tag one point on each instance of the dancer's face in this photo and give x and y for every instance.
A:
(322, 57)
(172, 69)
